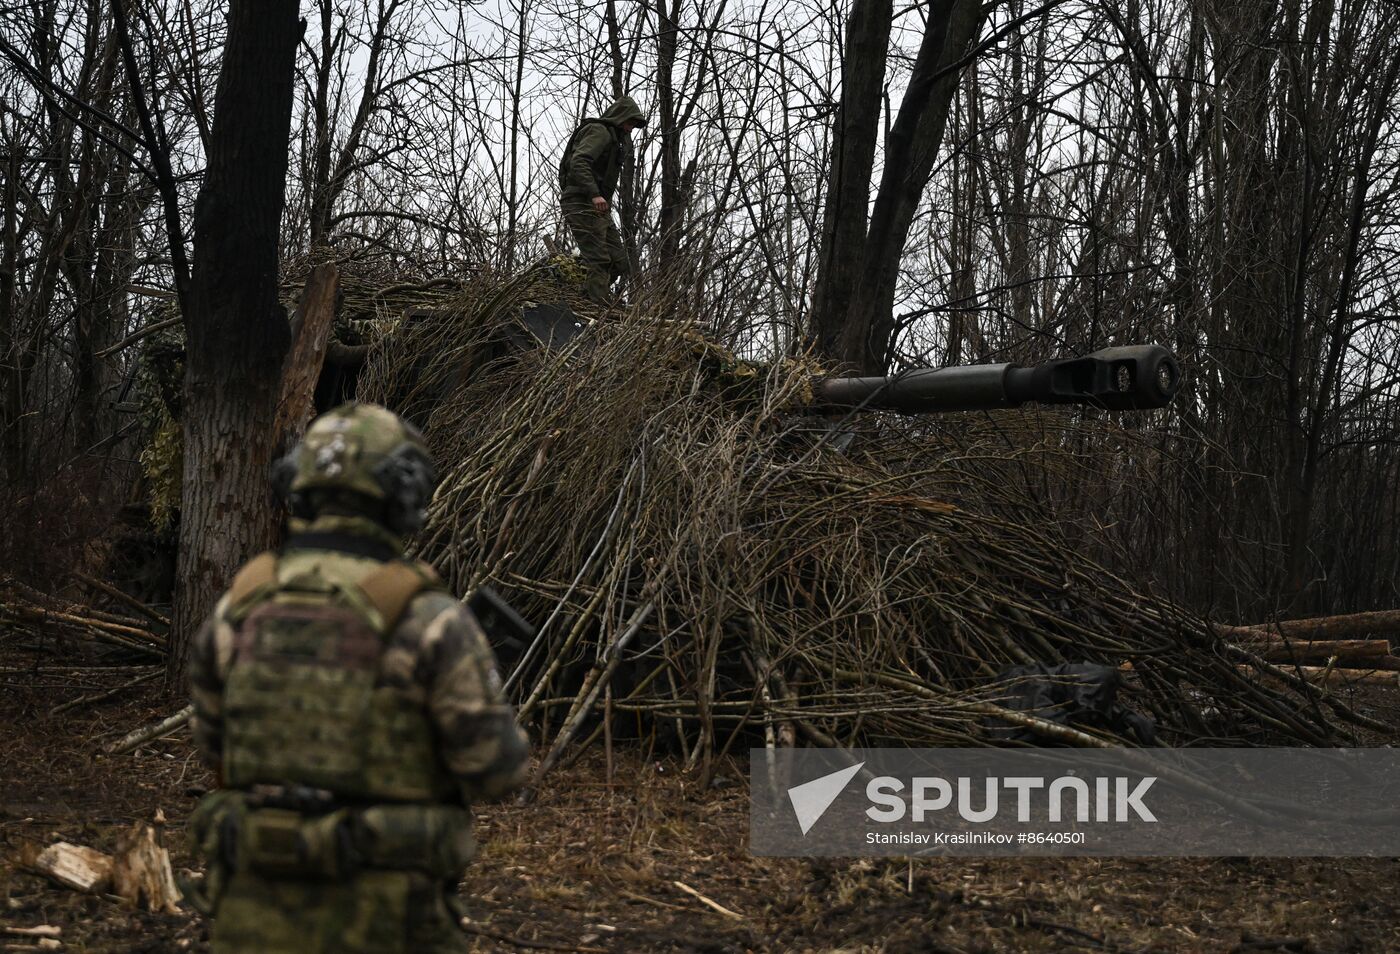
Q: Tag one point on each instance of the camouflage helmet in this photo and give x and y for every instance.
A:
(365, 453)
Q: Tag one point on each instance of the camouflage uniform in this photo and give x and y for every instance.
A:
(352, 732)
(593, 160)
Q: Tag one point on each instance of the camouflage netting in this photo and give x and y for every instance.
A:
(681, 534)
(371, 301)
(159, 392)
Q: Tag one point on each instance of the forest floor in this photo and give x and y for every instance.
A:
(594, 865)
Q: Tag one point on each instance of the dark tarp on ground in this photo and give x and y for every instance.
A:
(1081, 695)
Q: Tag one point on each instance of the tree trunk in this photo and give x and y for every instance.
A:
(668, 244)
(517, 87)
(1339, 336)
(909, 157)
(852, 162)
(103, 273)
(236, 329)
(318, 184)
(1374, 624)
(11, 391)
(311, 333)
(859, 270)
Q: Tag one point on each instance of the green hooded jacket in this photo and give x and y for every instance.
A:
(596, 153)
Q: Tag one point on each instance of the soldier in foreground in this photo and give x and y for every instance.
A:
(593, 160)
(353, 711)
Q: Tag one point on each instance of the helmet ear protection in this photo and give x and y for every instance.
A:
(284, 472)
(408, 478)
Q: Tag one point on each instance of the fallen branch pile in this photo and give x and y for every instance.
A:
(1354, 648)
(696, 550)
(1380, 624)
(24, 611)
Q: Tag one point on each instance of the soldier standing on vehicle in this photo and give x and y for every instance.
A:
(353, 711)
(593, 160)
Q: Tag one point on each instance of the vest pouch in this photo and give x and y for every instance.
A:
(214, 829)
(281, 843)
(435, 839)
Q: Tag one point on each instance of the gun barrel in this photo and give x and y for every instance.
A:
(1135, 377)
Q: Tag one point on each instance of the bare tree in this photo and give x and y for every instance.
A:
(236, 327)
(897, 186)
(852, 311)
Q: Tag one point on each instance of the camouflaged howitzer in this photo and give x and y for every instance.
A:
(1131, 378)
(1134, 377)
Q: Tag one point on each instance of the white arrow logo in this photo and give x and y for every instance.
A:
(810, 800)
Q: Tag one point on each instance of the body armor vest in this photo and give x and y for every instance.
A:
(302, 706)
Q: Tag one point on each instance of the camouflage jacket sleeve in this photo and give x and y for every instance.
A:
(590, 145)
(453, 664)
(209, 659)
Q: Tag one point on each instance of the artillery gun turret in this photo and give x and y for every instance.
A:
(1132, 378)
(1126, 378)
